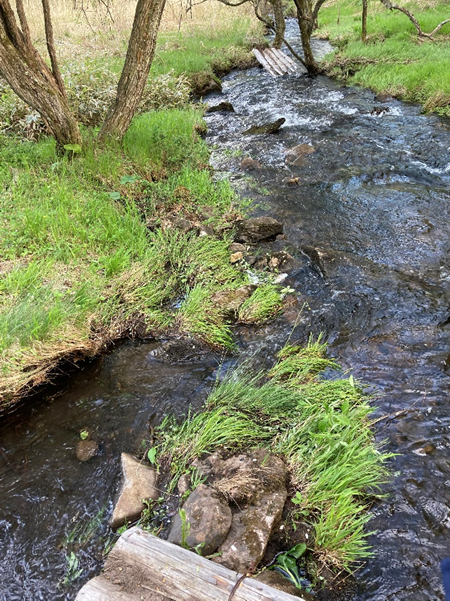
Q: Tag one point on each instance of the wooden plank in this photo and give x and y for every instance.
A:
(144, 567)
(262, 61)
(273, 54)
(273, 63)
(285, 60)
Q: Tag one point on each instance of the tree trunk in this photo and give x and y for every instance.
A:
(364, 22)
(306, 23)
(141, 49)
(280, 24)
(31, 79)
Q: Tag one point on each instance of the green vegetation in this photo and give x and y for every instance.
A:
(79, 265)
(394, 59)
(320, 426)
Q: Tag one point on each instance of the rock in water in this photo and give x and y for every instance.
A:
(86, 449)
(139, 483)
(225, 107)
(256, 229)
(267, 128)
(209, 520)
(250, 531)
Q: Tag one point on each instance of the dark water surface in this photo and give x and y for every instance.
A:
(372, 200)
(371, 216)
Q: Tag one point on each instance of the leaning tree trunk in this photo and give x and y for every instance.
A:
(29, 76)
(141, 49)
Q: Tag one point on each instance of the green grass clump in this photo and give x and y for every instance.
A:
(394, 59)
(80, 267)
(322, 429)
(263, 303)
(166, 139)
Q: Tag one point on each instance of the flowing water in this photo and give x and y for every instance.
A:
(369, 225)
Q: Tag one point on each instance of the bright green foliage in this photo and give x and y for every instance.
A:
(80, 265)
(320, 426)
(165, 139)
(394, 59)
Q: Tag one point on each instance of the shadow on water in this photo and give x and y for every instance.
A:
(47, 493)
(368, 222)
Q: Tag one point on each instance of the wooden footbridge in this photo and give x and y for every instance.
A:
(276, 62)
(142, 567)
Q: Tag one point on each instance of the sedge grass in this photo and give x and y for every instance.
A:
(319, 426)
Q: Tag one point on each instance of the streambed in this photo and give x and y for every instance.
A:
(368, 221)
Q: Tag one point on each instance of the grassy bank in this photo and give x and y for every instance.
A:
(394, 59)
(88, 253)
(319, 426)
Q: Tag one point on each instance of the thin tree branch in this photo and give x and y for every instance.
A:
(388, 4)
(51, 47)
(23, 21)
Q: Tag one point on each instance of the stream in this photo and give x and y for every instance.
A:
(368, 222)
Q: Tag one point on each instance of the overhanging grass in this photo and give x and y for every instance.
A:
(322, 429)
(80, 267)
(399, 62)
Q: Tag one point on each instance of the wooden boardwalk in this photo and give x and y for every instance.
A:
(276, 62)
(142, 567)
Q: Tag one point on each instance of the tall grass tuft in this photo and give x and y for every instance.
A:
(319, 426)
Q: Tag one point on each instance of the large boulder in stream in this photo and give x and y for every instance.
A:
(139, 483)
(257, 229)
(208, 521)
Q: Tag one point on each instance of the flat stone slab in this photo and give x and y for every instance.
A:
(139, 484)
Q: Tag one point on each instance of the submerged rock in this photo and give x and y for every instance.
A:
(256, 229)
(86, 449)
(182, 350)
(225, 107)
(250, 164)
(139, 483)
(267, 128)
(296, 155)
(209, 520)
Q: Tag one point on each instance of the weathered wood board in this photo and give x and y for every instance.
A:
(142, 567)
(276, 62)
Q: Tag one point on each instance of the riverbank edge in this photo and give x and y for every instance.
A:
(220, 206)
(394, 61)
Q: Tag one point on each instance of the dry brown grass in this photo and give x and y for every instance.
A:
(91, 28)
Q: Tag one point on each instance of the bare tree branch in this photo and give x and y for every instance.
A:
(388, 4)
(51, 47)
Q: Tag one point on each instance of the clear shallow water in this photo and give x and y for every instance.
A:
(373, 199)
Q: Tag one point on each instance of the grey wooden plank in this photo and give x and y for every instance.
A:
(277, 56)
(281, 70)
(285, 60)
(141, 563)
(262, 60)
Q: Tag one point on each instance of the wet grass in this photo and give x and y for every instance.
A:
(80, 267)
(320, 426)
(394, 59)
